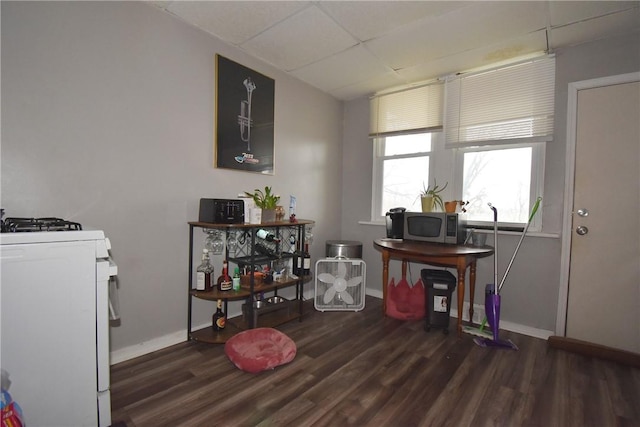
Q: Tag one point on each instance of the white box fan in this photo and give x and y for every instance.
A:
(340, 284)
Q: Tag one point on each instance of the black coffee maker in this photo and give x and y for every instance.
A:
(395, 223)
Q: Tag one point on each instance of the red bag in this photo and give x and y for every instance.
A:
(405, 302)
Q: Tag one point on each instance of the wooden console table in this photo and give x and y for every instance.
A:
(437, 254)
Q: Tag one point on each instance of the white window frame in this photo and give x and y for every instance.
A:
(447, 165)
(536, 185)
(437, 142)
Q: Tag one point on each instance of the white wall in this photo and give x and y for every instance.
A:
(530, 293)
(108, 115)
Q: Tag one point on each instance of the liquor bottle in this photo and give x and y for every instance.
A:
(236, 279)
(219, 319)
(306, 261)
(267, 235)
(268, 274)
(297, 263)
(204, 273)
(224, 280)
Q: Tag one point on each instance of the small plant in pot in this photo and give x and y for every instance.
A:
(265, 200)
(452, 206)
(431, 197)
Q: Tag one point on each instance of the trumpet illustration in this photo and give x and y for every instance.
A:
(244, 119)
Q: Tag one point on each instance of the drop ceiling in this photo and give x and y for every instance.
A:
(351, 49)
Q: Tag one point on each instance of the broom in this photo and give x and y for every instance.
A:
(480, 331)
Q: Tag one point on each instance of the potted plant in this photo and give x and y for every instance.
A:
(265, 200)
(430, 197)
(452, 205)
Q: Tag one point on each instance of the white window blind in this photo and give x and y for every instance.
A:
(513, 104)
(411, 110)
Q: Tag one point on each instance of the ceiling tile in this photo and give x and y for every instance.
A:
(342, 69)
(567, 12)
(482, 23)
(596, 28)
(235, 22)
(301, 39)
(369, 19)
(369, 87)
(485, 56)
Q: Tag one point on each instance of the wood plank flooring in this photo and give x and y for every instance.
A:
(362, 369)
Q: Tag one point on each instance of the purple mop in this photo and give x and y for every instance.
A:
(492, 298)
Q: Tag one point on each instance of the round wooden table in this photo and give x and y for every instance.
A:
(437, 254)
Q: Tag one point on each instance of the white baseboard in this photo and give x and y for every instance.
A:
(146, 347)
(478, 316)
(131, 352)
(168, 340)
(374, 293)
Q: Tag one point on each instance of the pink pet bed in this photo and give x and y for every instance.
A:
(259, 349)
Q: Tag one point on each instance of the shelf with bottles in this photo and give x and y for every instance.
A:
(215, 294)
(210, 336)
(251, 248)
(268, 315)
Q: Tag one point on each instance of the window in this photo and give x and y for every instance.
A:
(402, 164)
(491, 149)
(509, 178)
(497, 121)
(405, 125)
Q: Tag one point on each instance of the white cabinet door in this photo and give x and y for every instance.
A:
(49, 330)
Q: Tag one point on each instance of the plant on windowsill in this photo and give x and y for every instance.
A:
(452, 206)
(265, 200)
(430, 197)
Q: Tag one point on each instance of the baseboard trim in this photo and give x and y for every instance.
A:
(478, 316)
(146, 347)
(595, 350)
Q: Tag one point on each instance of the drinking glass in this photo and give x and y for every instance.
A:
(214, 242)
(232, 243)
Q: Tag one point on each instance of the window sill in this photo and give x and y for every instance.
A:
(501, 232)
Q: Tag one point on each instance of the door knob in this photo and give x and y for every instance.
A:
(583, 212)
(582, 230)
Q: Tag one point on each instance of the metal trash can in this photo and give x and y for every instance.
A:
(343, 249)
(439, 286)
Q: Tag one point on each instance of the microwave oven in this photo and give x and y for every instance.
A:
(437, 227)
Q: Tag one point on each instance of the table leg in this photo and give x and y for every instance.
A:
(462, 267)
(385, 280)
(472, 288)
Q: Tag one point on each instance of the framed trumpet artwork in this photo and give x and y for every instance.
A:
(244, 118)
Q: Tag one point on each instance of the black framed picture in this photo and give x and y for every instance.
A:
(244, 118)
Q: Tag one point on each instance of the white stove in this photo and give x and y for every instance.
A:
(54, 341)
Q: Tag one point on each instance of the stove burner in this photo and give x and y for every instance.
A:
(15, 225)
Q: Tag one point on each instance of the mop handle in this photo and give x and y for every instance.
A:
(495, 249)
(524, 232)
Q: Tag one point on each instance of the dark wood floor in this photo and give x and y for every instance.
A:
(362, 369)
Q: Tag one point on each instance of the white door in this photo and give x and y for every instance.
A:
(603, 302)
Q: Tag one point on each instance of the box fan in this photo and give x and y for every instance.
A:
(340, 284)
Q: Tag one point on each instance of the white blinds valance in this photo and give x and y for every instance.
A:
(410, 110)
(507, 105)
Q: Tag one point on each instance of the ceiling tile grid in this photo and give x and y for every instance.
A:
(351, 49)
